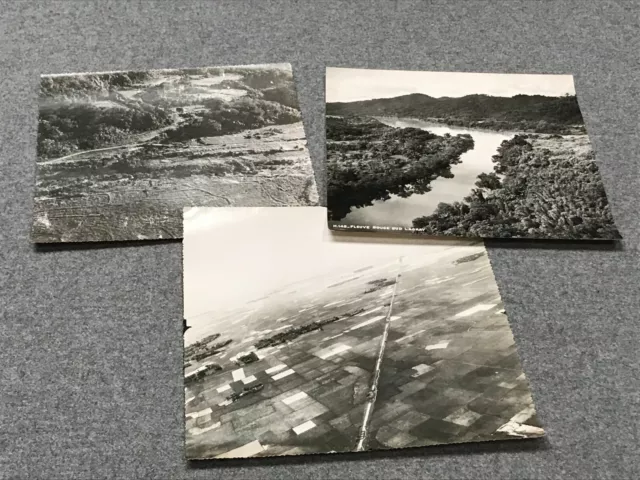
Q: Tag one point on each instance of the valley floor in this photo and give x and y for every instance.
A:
(98, 196)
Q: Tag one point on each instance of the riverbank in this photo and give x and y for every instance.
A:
(368, 161)
(433, 124)
(398, 211)
(495, 125)
(542, 187)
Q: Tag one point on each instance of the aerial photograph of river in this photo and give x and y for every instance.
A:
(461, 155)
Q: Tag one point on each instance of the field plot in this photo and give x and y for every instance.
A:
(451, 371)
(304, 395)
(360, 347)
(120, 154)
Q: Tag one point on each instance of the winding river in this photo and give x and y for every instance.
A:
(400, 212)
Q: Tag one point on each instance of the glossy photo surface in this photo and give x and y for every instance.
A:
(301, 343)
(119, 154)
(461, 155)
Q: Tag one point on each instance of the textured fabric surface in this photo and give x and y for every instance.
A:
(91, 339)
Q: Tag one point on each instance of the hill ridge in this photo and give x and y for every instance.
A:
(563, 110)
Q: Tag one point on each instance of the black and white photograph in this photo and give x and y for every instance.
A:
(119, 154)
(301, 343)
(461, 154)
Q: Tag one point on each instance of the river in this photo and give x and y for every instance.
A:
(400, 212)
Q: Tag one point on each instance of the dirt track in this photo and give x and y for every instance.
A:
(84, 197)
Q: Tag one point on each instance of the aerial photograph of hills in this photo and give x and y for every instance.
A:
(301, 344)
(119, 154)
(463, 155)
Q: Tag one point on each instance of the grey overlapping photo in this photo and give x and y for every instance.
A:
(119, 154)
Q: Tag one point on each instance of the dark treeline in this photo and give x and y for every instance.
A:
(536, 113)
(86, 85)
(378, 285)
(205, 348)
(369, 161)
(224, 118)
(529, 194)
(292, 333)
(69, 127)
(469, 258)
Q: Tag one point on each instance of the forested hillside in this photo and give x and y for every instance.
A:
(85, 112)
(120, 154)
(522, 112)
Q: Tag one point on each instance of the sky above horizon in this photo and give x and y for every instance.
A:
(354, 84)
(235, 255)
(221, 253)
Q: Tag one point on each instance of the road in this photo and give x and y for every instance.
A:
(81, 199)
(142, 140)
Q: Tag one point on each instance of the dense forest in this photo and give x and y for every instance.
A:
(540, 188)
(534, 113)
(78, 86)
(71, 127)
(86, 112)
(369, 161)
(227, 117)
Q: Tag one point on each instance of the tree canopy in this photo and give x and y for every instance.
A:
(533, 192)
(369, 161)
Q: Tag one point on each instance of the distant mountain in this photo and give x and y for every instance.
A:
(471, 108)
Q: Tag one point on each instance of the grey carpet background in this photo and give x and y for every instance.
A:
(91, 340)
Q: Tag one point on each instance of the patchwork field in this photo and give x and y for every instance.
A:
(449, 372)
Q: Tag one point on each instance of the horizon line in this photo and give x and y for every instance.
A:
(463, 96)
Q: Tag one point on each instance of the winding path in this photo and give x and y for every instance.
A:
(141, 138)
